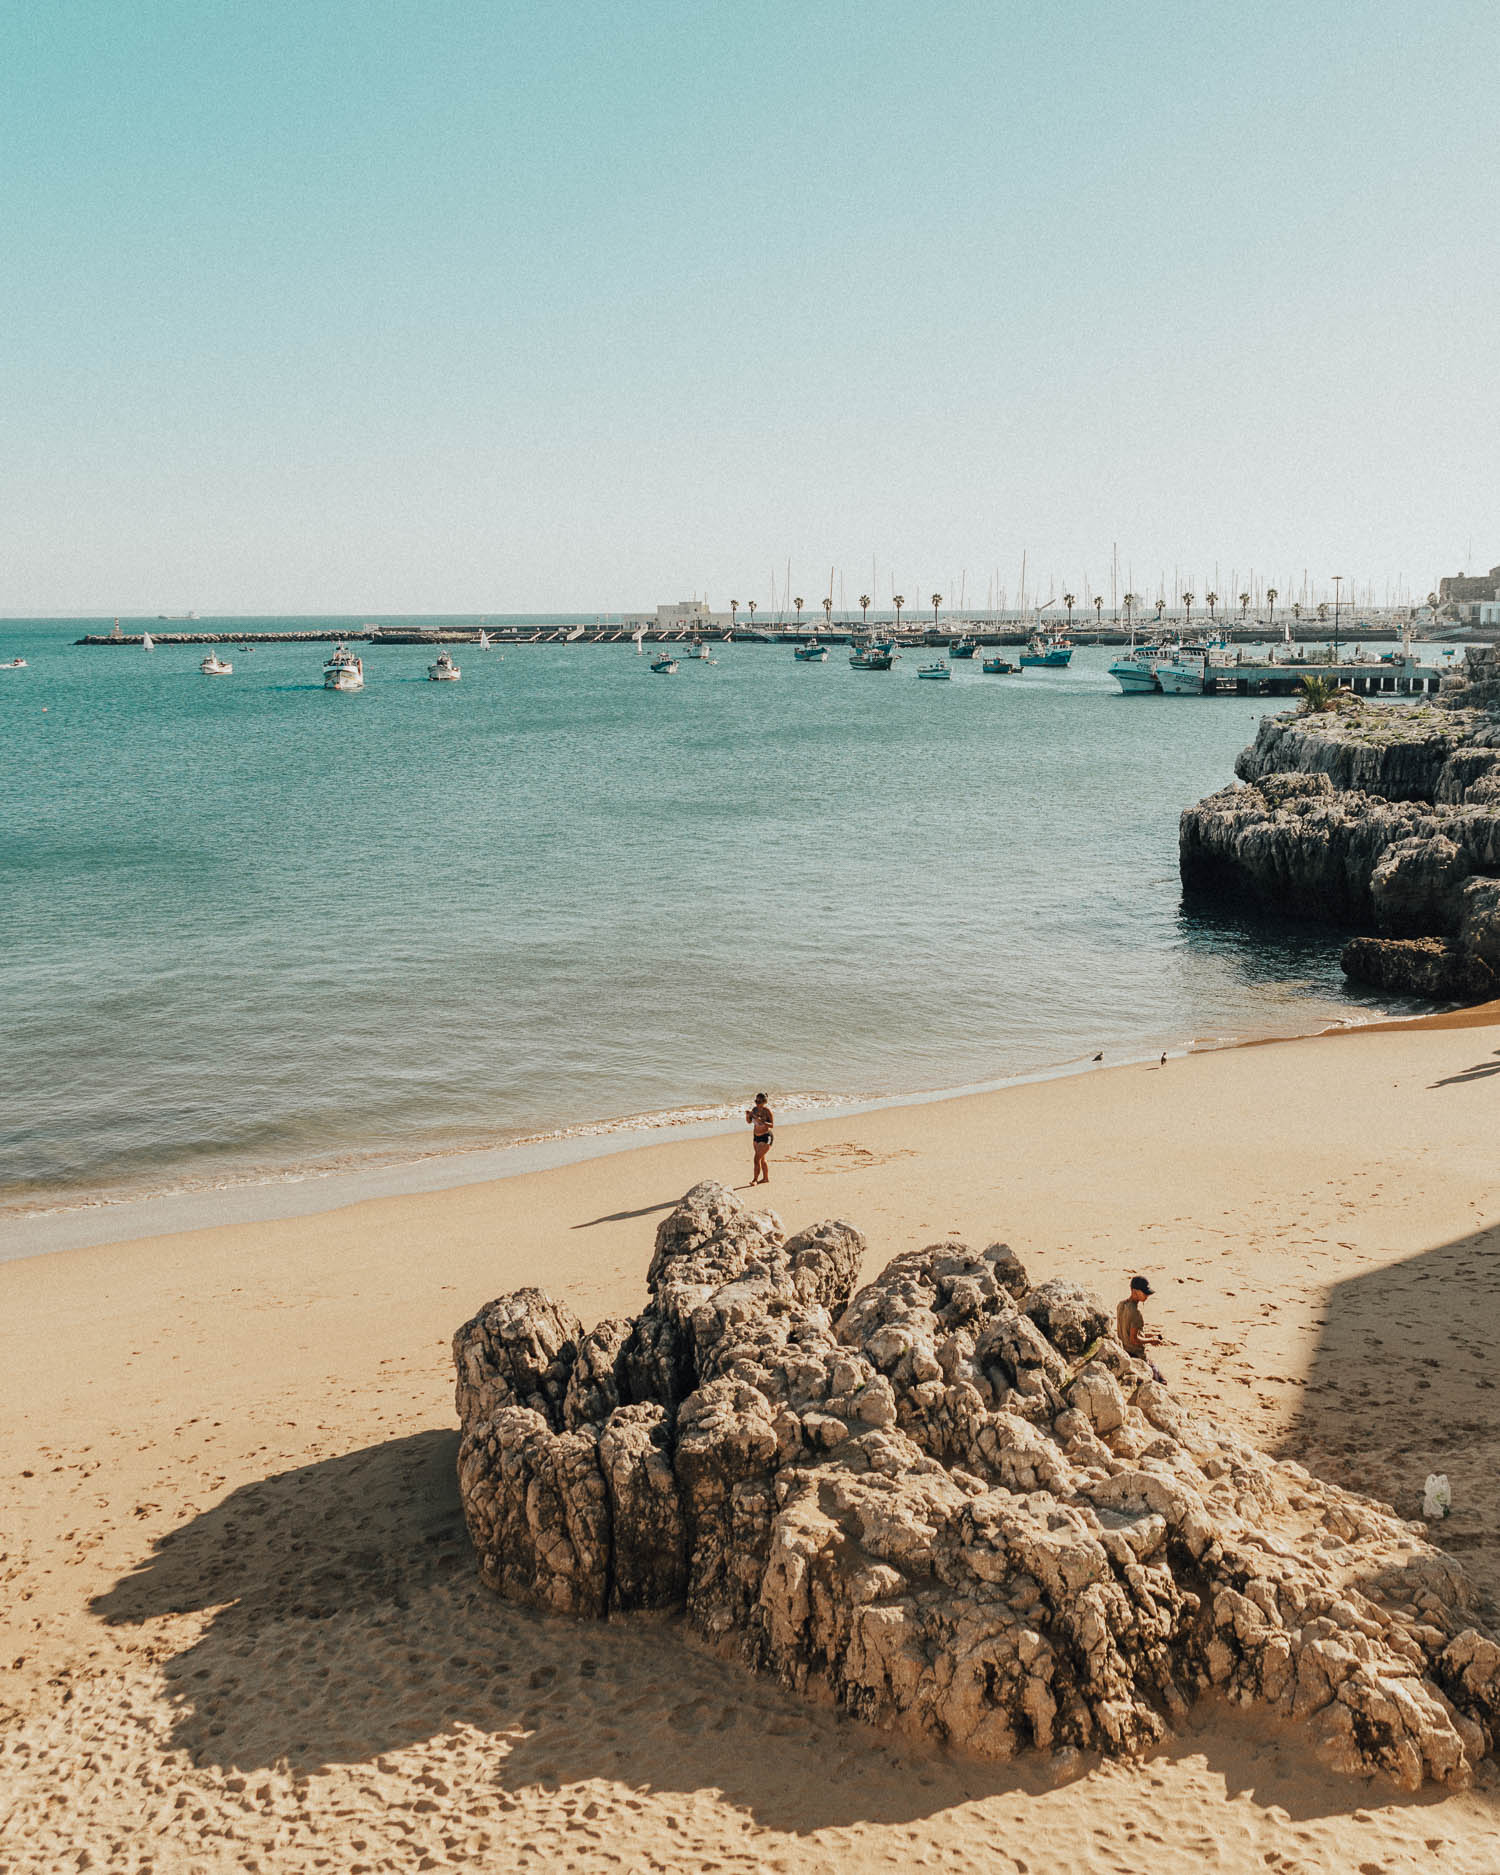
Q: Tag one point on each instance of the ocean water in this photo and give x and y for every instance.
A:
(250, 927)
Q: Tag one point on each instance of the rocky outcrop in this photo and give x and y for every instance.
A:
(1383, 819)
(951, 1501)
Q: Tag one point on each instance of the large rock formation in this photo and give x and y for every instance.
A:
(1383, 818)
(952, 1502)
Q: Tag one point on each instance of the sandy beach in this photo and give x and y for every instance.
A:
(241, 1624)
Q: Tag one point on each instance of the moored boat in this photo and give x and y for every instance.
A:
(963, 648)
(810, 653)
(938, 672)
(1135, 671)
(443, 670)
(874, 658)
(1000, 667)
(664, 666)
(344, 671)
(215, 666)
(1049, 651)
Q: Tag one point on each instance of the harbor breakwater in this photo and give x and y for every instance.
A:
(1380, 818)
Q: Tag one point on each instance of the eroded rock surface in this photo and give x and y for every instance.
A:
(951, 1500)
(1384, 819)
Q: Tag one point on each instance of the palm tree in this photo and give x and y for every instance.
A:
(798, 604)
(1187, 600)
(1127, 604)
(864, 611)
(1210, 599)
(828, 614)
(734, 613)
(1244, 605)
(937, 600)
(1098, 611)
(1159, 605)
(752, 615)
(1323, 612)
(1432, 600)
(898, 599)
(1069, 601)
(1297, 613)
(1319, 694)
(1271, 604)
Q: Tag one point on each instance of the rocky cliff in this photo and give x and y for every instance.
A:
(950, 1500)
(1384, 818)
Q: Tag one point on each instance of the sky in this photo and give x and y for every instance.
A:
(376, 306)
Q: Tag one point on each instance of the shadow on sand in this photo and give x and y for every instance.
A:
(1403, 1383)
(346, 1622)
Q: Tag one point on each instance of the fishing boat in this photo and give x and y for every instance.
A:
(443, 670)
(1185, 674)
(938, 672)
(874, 658)
(1000, 667)
(214, 666)
(1135, 670)
(664, 666)
(1049, 651)
(963, 648)
(810, 653)
(148, 643)
(344, 671)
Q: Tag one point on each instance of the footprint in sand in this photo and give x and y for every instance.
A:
(844, 1156)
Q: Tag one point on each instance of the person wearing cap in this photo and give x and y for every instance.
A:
(760, 1120)
(1130, 1324)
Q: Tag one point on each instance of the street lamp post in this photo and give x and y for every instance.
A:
(1336, 580)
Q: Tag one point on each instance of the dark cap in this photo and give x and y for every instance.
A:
(1139, 1282)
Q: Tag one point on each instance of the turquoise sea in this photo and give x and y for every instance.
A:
(250, 927)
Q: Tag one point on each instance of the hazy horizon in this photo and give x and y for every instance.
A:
(429, 310)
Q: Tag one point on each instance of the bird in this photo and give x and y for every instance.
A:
(1164, 1057)
(1100, 1055)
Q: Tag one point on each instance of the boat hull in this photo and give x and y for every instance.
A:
(343, 680)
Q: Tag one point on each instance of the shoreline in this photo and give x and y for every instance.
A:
(240, 1593)
(50, 1227)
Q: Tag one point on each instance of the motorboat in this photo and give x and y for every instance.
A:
(1185, 674)
(344, 671)
(698, 652)
(1051, 653)
(1135, 671)
(810, 653)
(1000, 667)
(963, 648)
(664, 666)
(13, 664)
(443, 670)
(939, 672)
(875, 658)
(215, 666)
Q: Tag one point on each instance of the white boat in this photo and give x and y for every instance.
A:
(444, 670)
(664, 666)
(1135, 672)
(13, 664)
(214, 666)
(484, 641)
(344, 671)
(1183, 675)
(940, 673)
(698, 652)
(148, 643)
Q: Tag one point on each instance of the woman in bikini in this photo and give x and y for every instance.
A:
(761, 1120)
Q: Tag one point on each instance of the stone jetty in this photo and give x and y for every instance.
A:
(1383, 819)
(950, 1501)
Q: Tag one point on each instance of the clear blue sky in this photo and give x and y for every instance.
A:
(369, 305)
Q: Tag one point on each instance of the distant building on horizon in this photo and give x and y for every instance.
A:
(1463, 589)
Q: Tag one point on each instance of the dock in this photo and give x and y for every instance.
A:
(1393, 677)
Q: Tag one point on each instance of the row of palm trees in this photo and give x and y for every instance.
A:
(1128, 604)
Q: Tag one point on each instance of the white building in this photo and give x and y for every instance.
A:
(673, 618)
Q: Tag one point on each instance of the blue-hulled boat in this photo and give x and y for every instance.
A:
(1050, 653)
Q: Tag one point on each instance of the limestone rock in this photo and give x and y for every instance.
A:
(951, 1501)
